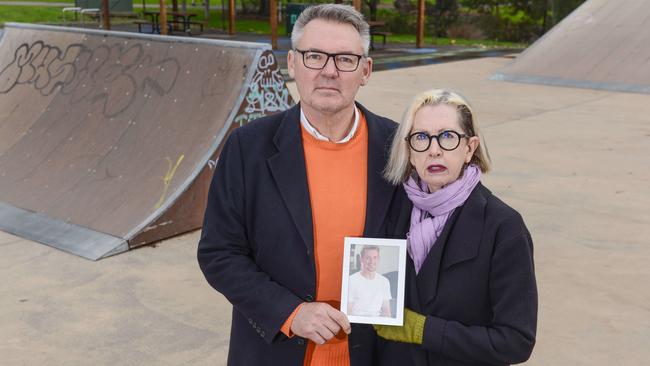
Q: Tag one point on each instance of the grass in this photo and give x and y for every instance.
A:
(44, 1)
(23, 14)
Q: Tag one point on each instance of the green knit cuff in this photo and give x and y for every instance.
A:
(418, 332)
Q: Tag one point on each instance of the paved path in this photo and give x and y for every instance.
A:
(572, 161)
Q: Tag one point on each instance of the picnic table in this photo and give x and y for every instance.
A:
(183, 19)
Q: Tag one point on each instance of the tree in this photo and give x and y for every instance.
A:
(561, 8)
(372, 6)
(445, 13)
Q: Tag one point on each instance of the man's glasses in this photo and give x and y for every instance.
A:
(447, 140)
(316, 60)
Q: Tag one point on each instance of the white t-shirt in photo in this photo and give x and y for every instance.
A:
(367, 295)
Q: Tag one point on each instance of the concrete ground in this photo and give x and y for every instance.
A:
(574, 162)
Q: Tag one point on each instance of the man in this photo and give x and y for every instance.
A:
(286, 191)
(369, 291)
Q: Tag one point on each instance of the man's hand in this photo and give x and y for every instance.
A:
(319, 322)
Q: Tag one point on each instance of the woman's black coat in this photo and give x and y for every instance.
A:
(476, 287)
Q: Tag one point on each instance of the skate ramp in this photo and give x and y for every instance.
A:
(108, 139)
(601, 45)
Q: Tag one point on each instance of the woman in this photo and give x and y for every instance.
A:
(471, 296)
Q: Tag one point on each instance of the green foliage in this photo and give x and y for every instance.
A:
(511, 20)
(561, 8)
(444, 14)
(396, 22)
(511, 25)
(521, 20)
(23, 14)
(404, 7)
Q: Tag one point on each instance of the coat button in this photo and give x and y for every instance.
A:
(309, 298)
(250, 320)
(301, 342)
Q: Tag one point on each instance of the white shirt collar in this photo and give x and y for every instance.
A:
(314, 132)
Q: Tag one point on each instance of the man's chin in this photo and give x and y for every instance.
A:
(329, 106)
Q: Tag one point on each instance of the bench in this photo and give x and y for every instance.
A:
(381, 34)
(93, 13)
(170, 26)
(140, 23)
(190, 24)
(185, 26)
(75, 10)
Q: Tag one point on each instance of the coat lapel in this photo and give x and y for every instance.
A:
(290, 174)
(458, 242)
(380, 192)
(427, 278)
(464, 243)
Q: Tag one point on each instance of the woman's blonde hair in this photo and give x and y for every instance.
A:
(399, 167)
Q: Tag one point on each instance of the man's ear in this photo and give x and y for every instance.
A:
(366, 69)
(290, 60)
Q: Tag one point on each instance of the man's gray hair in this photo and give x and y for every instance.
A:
(344, 14)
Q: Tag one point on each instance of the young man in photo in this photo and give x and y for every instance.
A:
(369, 291)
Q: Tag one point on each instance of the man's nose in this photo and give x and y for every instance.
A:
(330, 68)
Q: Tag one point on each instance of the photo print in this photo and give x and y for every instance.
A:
(374, 272)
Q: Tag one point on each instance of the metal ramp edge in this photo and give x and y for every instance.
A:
(84, 242)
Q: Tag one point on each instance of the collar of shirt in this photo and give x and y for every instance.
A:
(314, 132)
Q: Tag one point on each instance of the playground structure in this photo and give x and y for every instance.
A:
(601, 45)
(108, 139)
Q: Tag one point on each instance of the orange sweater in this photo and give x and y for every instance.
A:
(337, 175)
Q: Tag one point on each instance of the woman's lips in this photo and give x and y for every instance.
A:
(436, 168)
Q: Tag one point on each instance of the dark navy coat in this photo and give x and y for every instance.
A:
(477, 287)
(257, 245)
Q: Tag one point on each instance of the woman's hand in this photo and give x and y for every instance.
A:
(410, 332)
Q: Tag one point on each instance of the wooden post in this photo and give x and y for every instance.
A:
(175, 10)
(231, 17)
(163, 17)
(357, 4)
(105, 15)
(273, 12)
(419, 37)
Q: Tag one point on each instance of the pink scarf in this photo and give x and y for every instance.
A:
(431, 211)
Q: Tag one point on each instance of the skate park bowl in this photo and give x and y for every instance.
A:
(601, 45)
(108, 139)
